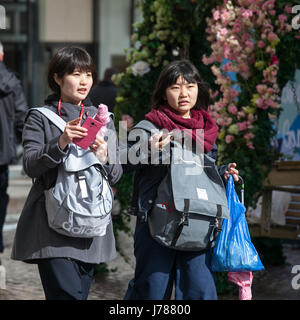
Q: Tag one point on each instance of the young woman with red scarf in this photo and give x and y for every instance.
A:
(179, 102)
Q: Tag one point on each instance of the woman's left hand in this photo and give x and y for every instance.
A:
(99, 148)
(232, 170)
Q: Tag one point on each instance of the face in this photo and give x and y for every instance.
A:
(182, 96)
(75, 87)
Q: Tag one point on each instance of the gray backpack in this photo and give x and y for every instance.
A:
(191, 201)
(80, 203)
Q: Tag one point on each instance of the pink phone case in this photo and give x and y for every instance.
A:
(93, 127)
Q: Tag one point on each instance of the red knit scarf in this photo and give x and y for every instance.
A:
(164, 118)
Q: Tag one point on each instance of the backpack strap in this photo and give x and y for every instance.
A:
(146, 125)
(53, 117)
(184, 221)
(217, 226)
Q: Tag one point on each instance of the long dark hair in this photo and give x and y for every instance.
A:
(169, 76)
(65, 61)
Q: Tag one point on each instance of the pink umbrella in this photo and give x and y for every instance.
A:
(244, 281)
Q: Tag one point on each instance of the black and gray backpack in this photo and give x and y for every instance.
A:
(191, 201)
(80, 203)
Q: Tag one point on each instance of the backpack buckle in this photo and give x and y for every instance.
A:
(186, 219)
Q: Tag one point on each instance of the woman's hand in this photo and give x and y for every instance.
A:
(72, 130)
(232, 170)
(159, 140)
(99, 148)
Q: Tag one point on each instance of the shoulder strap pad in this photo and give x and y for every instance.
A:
(53, 117)
(146, 125)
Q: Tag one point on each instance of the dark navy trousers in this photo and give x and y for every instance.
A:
(158, 268)
(66, 279)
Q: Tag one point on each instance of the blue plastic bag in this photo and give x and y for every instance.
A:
(234, 250)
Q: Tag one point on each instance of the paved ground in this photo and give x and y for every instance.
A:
(23, 283)
(22, 280)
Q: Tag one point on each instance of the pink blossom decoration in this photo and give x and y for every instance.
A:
(288, 9)
(216, 15)
(236, 31)
(272, 36)
(274, 60)
(282, 17)
(247, 14)
(233, 109)
(229, 138)
(243, 125)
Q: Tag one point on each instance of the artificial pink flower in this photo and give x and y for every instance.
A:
(274, 60)
(247, 13)
(216, 15)
(246, 37)
(223, 31)
(261, 88)
(272, 36)
(220, 121)
(271, 103)
(244, 68)
(288, 9)
(267, 28)
(248, 136)
(250, 117)
(237, 27)
(249, 44)
(250, 145)
(208, 60)
(228, 67)
(261, 44)
(268, 5)
(212, 94)
(243, 125)
(233, 109)
(260, 103)
(229, 138)
(224, 16)
(226, 52)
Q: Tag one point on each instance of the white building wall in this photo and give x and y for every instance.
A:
(66, 21)
(71, 21)
(114, 30)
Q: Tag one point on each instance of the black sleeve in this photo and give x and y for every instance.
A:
(135, 152)
(213, 153)
(20, 110)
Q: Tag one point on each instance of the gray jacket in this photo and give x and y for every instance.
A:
(13, 108)
(34, 239)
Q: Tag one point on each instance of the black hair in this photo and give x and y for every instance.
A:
(65, 61)
(169, 76)
(108, 73)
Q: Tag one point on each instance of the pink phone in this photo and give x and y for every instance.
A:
(93, 126)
